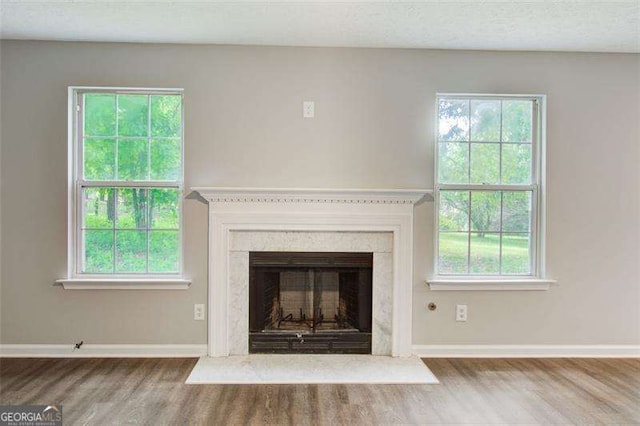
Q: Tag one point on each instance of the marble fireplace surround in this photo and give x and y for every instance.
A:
(253, 219)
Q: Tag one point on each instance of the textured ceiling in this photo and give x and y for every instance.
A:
(596, 26)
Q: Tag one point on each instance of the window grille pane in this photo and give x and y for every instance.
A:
(133, 115)
(453, 249)
(163, 251)
(485, 120)
(132, 208)
(131, 251)
(516, 254)
(453, 120)
(166, 115)
(517, 118)
(485, 163)
(454, 211)
(98, 251)
(516, 211)
(99, 159)
(98, 208)
(453, 162)
(133, 159)
(166, 159)
(99, 114)
(163, 208)
(516, 164)
(485, 211)
(484, 253)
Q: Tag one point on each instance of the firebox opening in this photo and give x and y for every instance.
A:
(310, 302)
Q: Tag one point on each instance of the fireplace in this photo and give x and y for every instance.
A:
(247, 220)
(310, 302)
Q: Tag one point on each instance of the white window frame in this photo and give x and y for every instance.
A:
(76, 279)
(536, 280)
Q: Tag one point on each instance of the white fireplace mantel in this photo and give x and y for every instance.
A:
(346, 211)
(314, 195)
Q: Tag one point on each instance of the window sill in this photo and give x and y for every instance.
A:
(124, 283)
(516, 284)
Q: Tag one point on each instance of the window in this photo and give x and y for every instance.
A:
(488, 186)
(127, 183)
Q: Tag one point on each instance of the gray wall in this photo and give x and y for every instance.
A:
(373, 129)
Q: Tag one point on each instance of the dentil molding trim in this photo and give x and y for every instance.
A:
(314, 195)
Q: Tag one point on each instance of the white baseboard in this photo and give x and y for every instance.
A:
(527, 351)
(424, 351)
(102, 351)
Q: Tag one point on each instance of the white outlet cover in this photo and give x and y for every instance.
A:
(198, 312)
(461, 313)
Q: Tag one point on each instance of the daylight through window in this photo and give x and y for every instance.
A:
(128, 181)
(487, 185)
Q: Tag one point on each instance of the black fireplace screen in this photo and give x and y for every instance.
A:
(310, 302)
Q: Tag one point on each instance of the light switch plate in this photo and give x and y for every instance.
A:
(308, 109)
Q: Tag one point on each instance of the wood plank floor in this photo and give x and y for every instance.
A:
(487, 391)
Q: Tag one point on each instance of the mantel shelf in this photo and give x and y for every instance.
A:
(313, 195)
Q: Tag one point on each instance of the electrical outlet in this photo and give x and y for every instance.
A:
(308, 109)
(461, 313)
(198, 312)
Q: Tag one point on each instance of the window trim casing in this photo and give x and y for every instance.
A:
(75, 278)
(536, 280)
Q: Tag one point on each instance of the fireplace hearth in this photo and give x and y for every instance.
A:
(310, 302)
